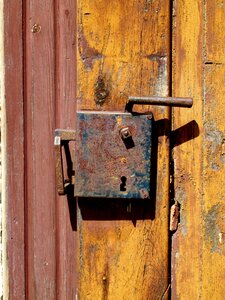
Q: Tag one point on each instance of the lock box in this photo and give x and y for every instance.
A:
(113, 155)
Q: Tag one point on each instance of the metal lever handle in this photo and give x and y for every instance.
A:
(155, 100)
(61, 136)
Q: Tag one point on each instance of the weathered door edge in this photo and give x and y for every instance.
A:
(13, 151)
(2, 103)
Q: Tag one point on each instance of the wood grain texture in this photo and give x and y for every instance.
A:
(65, 111)
(198, 245)
(13, 153)
(214, 152)
(39, 159)
(40, 95)
(123, 49)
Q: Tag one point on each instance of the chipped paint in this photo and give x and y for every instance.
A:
(215, 228)
(216, 146)
(221, 237)
(180, 197)
(87, 54)
(174, 216)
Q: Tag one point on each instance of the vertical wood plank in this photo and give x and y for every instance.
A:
(65, 26)
(198, 245)
(123, 49)
(188, 81)
(13, 153)
(40, 83)
(39, 126)
(214, 152)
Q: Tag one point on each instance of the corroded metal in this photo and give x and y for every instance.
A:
(66, 134)
(107, 165)
(61, 135)
(155, 100)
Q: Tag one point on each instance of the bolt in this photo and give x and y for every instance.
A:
(125, 133)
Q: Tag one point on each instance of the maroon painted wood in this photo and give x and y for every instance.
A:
(14, 148)
(65, 26)
(39, 125)
(40, 96)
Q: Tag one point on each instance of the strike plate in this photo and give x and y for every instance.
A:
(113, 155)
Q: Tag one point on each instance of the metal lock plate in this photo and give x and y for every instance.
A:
(113, 155)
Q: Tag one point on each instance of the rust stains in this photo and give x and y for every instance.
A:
(101, 90)
(87, 53)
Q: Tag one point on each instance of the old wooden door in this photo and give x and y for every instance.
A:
(61, 56)
(124, 49)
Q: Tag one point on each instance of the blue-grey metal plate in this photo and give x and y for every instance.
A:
(107, 165)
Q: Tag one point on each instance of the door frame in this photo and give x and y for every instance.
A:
(20, 18)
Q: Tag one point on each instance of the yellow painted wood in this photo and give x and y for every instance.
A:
(198, 264)
(123, 49)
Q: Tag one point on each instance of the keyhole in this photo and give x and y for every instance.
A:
(123, 184)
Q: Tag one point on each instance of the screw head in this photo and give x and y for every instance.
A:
(36, 28)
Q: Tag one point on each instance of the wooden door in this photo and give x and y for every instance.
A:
(124, 49)
(61, 56)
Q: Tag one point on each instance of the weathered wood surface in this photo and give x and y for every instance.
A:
(39, 96)
(49, 102)
(39, 125)
(65, 64)
(198, 264)
(13, 154)
(123, 49)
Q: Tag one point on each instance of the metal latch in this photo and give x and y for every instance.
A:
(62, 138)
(113, 151)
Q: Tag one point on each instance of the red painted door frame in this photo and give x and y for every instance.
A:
(39, 96)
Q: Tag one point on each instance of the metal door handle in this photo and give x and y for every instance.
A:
(62, 136)
(155, 100)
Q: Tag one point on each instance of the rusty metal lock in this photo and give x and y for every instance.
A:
(113, 151)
